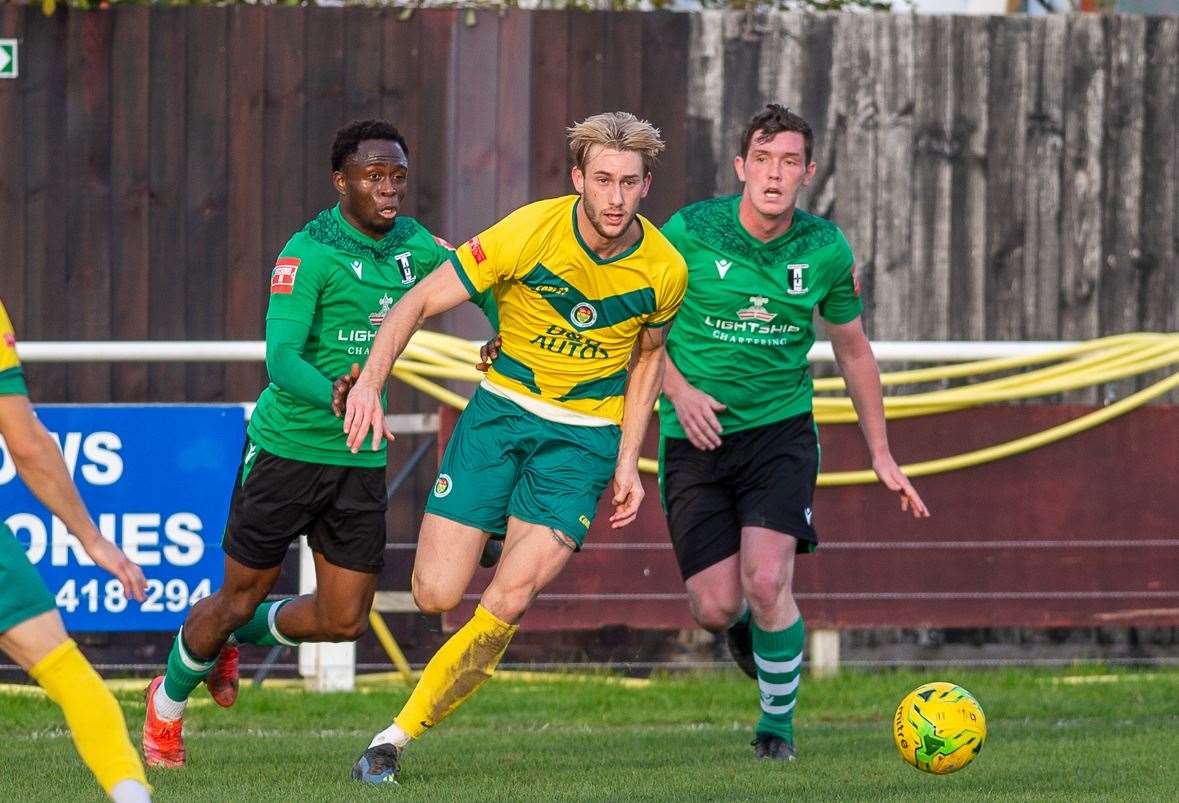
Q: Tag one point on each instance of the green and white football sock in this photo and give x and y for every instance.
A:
(262, 629)
(185, 672)
(778, 655)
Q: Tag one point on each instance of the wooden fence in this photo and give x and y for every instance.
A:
(998, 177)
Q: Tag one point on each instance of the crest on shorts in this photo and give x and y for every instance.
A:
(443, 486)
(756, 311)
(583, 315)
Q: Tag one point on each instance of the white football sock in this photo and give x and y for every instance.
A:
(130, 791)
(166, 707)
(391, 735)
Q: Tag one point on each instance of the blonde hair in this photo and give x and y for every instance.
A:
(620, 131)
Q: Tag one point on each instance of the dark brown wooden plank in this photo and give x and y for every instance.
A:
(285, 166)
(473, 155)
(1085, 89)
(45, 314)
(435, 63)
(1045, 154)
(1008, 96)
(87, 159)
(130, 202)
(363, 31)
(742, 97)
(513, 112)
(664, 87)
(1160, 177)
(323, 109)
(888, 285)
(247, 262)
(968, 180)
(12, 178)
(400, 98)
(1119, 300)
(587, 58)
(206, 194)
(169, 78)
(623, 76)
(550, 110)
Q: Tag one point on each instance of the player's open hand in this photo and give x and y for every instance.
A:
(364, 413)
(628, 495)
(488, 352)
(895, 480)
(697, 411)
(111, 558)
(341, 387)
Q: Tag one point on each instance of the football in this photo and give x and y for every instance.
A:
(939, 728)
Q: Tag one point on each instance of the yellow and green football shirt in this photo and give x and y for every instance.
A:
(12, 378)
(569, 320)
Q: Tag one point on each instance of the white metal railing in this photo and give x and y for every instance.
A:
(255, 350)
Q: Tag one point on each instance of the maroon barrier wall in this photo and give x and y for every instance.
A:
(1079, 533)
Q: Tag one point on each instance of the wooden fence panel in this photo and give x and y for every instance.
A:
(131, 203)
(12, 180)
(665, 87)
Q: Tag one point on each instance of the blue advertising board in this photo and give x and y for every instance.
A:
(157, 480)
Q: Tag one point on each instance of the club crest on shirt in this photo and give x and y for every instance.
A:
(443, 486)
(404, 262)
(757, 310)
(583, 315)
(796, 279)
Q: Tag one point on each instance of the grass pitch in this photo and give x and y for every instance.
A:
(1072, 734)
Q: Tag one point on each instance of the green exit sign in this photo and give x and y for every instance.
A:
(8, 68)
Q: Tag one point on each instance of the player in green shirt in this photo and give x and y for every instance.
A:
(739, 449)
(331, 287)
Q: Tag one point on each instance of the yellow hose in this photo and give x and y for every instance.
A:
(1106, 359)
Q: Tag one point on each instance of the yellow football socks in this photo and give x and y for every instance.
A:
(456, 671)
(94, 718)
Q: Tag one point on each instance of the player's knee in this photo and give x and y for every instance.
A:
(712, 614)
(509, 604)
(764, 589)
(433, 597)
(346, 629)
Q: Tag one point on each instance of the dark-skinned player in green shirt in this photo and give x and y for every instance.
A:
(739, 448)
(330, 289)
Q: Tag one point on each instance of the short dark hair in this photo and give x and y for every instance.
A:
(774, 119)
(350, 136)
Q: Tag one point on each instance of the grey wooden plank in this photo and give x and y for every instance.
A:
(968, 182)
(1120, 288)
(1085, 87)
(1008, 96)
(1044, 169)
(895, 100)
(934, 147)
(705, 104)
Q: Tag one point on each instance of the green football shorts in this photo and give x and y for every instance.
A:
(505, 461)
(22, 594)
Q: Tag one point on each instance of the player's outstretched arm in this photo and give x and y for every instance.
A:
(642, 388)
(440, 291)
(695, 409)
(858, 365)
(42, 469)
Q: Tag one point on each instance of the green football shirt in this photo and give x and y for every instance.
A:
(342, 283)
(747, 321)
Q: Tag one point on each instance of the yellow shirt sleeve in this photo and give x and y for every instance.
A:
(670, 294)
(12, 378)
(495, 254)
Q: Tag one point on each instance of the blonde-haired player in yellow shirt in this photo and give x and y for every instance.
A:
(31, 630)
(579, 282)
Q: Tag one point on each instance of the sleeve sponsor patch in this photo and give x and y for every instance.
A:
(282, 280)
(442, 242)
(477, 250)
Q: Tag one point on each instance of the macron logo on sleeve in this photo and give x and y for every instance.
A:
(283, 278)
